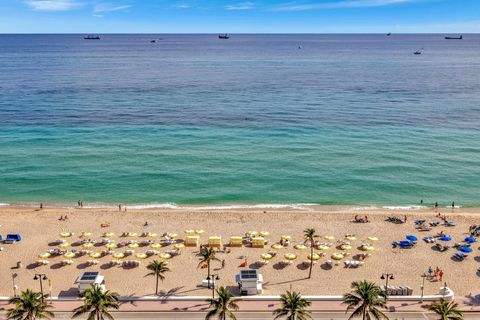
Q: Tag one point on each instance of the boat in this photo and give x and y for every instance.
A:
(417, 52)
(153, 41)
(454, 38)
(389, 34)
(224, 36)
(91, 37)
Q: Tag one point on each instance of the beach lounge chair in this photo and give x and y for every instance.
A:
(460, 256)
(12, 238)
(429, 239)
(1, 239)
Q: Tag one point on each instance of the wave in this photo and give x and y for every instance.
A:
(412, 207)
(4, 204)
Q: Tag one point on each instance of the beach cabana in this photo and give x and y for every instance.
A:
(236, 242)
(258, 242)
(13, 237)
(192, 241)
(215, 242)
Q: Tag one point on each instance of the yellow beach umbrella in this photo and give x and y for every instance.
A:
(173, 235)
(189, 231)
(165, 255)
(372, 238)
(111, 245)
(350, 238)
(118, 255)
(300, 247)
(264, 233)
(322, 247)
(141, 255)
(337, 256)
(156, 245)
(66, 234)
(290, 256)
(277, 246)
(253, 233)
(69, 255)
(286, 237)
(86, 234)
(314, 257)
(132, 234)
(200, 231)
(108, 234)
(368, 248)
(330, 238)
(266, 256)
(95, 255)
(88, 245)
(346, 247)
(64, 245)
(133, 245)
(152, 234)
(45, 255)
(179, 246)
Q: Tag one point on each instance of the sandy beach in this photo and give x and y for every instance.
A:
(40, 228)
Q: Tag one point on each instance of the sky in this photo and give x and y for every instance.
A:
(239, 16)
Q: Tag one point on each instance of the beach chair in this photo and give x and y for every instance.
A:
(191, 241)
(258, 242)
(236, 242)
(215, 242)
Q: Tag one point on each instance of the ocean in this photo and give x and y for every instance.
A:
(257, 119)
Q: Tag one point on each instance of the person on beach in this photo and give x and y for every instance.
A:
(405, 219)
(440, 274)
(78, 202)
(436, 205)
(435, 275)
(119, 207)
(81, 204)
(421, 201)
(223, 263)
(41, 205)
(453, 204)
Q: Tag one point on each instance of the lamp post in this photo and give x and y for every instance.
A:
(424, 275)
(40, 277)
(15, 287)
(386, 277)
(214, 278)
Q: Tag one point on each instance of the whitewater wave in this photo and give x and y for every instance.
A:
(4, 204)
(412, 207)
(171, 205)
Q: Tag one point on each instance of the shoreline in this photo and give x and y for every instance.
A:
(310, 207)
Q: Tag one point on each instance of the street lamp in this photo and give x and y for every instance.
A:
(386, 277)
(213, 277)
(40, 277)
(15, 287)
(424, 275)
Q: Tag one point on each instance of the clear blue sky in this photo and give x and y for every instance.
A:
(249, 16)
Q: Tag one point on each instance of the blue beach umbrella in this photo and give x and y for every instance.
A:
(411, 238)
(470, 240)
(445, 238)
(466, 249)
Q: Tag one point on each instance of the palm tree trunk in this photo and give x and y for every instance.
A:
(208, 270)
(311, 260)
(364, 312)
(156, 287)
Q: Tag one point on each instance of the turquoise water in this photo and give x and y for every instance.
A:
(347, 120)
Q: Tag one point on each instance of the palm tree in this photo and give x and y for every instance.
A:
(223, 306)
(446, 310)
(29, 306)
(206, 256)
(97, 304)
(294, 307)
(310, 235)
(366, 300)
(158, 268)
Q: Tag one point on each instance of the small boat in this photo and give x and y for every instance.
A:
(91, 37)
(224, 36)
(389, 34)
(153, 41)
(454, 38)
(417, 52)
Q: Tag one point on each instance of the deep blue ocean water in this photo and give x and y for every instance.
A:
(192, 119)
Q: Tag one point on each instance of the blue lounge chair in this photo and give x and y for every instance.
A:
(1, 237)
(460, 256)
(12, 238)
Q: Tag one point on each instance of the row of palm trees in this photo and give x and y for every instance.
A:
(365, 301)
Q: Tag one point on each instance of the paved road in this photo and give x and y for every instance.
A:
(251, 316)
